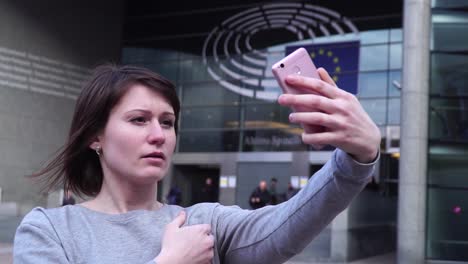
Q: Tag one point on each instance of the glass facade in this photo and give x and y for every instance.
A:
(447, 204)
(216, 119)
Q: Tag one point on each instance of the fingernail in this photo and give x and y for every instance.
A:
(291, 117)
(282, 98)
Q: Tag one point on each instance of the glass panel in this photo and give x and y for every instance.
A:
(373, 58)
(193, 70)
(449, 119)
(449, 3)
(394, 111)
(372, 84)
(209, 141)
(205, 93)
(447, 218)
(449, 74)
(138, 56)
(396, 34)
(374, 36)
(210, 117)
(376, 108)
(287, 139)
(168, 69)
(394, 83)
(267, 115)
(449, 31)
(448, 169)
(395, 56)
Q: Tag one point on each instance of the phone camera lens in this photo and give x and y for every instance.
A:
(282, 65)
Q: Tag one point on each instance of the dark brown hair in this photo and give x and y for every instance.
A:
(77, 166)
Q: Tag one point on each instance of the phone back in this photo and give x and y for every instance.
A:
(298, 62)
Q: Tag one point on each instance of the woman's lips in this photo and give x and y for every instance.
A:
(155, 157)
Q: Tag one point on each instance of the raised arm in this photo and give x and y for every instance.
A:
(273, 234)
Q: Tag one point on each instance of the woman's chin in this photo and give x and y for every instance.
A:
(151, 175)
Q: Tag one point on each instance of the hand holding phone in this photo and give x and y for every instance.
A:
(300, 63)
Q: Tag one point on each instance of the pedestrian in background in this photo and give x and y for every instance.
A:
(260, 196)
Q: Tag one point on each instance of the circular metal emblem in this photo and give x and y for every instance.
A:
(232, 61)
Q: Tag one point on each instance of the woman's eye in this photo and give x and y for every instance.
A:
(168, 123)
(138, 120)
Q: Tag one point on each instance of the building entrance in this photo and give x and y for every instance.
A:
(198, 183)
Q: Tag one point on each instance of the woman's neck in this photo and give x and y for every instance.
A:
(121, 198)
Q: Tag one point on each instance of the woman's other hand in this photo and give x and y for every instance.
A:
(347, 125)
(186, 244)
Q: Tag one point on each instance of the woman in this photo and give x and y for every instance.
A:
(120, 145)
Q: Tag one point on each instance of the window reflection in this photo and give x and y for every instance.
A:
(373, 58)
(373, 84)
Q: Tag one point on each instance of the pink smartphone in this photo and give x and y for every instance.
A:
(298, 62)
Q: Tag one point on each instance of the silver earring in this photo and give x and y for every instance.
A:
(98, 150)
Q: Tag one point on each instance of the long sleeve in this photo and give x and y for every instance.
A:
(274, 234)
(36, 242)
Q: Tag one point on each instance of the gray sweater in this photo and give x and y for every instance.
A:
(273, 234)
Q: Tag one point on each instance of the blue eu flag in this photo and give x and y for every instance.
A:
(340, 59)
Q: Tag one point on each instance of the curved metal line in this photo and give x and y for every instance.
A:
(226, 41)
(243, 79)
(247, 43)
(337, 27)
(255, 26)
(324, 30)
(269, 83)
(311, 33)
(274, 21)
(215, 45)
(309, 21)
(281, 11)
(244, 19)
(247, 69)
(239, 15)
(236, 44)
(230, 86)
(298, 24)
(242, 26)
(350, 25)
(254, 61)
(232, 74)
(277, 25)
(282, 5)
(292, 28)
(299, 34)
(280, 16)
(323, 10)
(206, 44)
(267, 95)
(315, 15)
(261, 54)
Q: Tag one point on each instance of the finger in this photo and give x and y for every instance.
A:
(325, 138)
(314, 85)
(308, 101)
(325, 76)
(205, 229)
(314, 118)
(179, 220)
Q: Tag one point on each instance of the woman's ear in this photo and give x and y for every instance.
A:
(95, 143)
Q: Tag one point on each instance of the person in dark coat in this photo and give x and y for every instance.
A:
(260, 196)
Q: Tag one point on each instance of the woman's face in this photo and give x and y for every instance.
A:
(139, 138)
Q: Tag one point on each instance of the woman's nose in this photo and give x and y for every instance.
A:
(156, 134)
